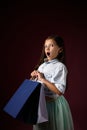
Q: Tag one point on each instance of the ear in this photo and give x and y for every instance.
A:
(61, 49)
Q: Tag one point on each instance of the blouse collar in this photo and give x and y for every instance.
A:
(52, 61)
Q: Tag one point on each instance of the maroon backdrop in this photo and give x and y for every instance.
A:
(23, 27)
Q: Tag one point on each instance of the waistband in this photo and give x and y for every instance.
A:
(50, 98)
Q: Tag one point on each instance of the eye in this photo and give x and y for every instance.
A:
(52, 45)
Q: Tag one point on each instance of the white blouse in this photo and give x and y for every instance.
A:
(55, 72)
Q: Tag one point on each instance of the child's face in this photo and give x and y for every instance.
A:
(51, 49)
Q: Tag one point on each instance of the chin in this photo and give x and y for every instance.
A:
(49, 59)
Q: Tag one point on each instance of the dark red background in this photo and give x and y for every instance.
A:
(24, 27)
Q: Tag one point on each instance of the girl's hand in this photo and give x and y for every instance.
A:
(40, 76)
(34, 74)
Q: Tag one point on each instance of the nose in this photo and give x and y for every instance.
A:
(48, 47)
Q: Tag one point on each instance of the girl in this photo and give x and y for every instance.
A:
(52, 72)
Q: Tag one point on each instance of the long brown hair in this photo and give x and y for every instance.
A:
(60, 42)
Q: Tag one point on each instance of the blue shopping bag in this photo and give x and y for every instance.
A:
(25, 104)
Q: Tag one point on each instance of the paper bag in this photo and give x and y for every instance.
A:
(28, 103)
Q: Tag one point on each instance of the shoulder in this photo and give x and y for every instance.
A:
(61, 66)
(41, 66)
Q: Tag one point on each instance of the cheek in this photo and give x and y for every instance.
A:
(58, 51)
(55, 52)
(45, 51)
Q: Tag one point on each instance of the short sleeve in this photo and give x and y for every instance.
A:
(59, 78)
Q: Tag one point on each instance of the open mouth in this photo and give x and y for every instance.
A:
(48, 53)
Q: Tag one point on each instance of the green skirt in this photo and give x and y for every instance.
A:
(59, 116)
